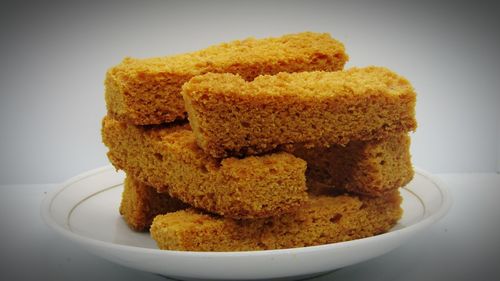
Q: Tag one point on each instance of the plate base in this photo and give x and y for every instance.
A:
(291, 278)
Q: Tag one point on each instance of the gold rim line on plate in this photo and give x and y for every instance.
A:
(68, 217)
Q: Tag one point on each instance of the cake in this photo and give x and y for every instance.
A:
(147, 91)
(374, 168)
(324, 219)
(371, 168)
(167, 158)
(233, 117)
(259, 144)
(141, 203)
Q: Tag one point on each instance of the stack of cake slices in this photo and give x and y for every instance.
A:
(259, 144)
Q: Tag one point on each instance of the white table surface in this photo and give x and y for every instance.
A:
(465, 245)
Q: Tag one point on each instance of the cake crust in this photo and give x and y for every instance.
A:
(231, 116)
(147, 91)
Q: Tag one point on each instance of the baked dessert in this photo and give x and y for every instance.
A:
(141, 203)
(371, 168)
(167, 157)
(147, 91)
(324, 219)
(231, 116)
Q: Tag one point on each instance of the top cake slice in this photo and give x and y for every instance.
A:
(231, 116)
(147, 91)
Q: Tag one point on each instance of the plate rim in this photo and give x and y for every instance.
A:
(45, 210)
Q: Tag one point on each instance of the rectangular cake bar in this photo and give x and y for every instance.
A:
(231, 116)
(167, 157)
(324, 219)
(371, 168)
(147, 91)
(141, 203)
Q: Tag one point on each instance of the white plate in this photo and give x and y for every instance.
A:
(85, 210)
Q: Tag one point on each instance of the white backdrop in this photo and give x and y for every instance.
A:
(54, 57)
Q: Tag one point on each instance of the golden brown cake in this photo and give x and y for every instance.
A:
(324, 219)
(147, 91)
(371, 168)
(168, 158)
(231, 116)
(141, 204)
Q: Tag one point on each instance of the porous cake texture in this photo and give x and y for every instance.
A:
(324, 219)
(147, 91)
(371, 168)
(168, 158)
(141, 203)
(231, 116)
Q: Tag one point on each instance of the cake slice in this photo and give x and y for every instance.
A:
(141, 204)
(324, 219)
(167, 158)
(371, 168)
(147, 91)
(231, 116)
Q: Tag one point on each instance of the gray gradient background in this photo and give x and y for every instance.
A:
(54, 56)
